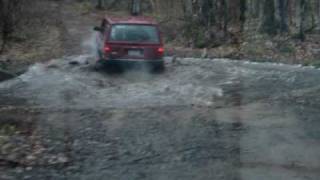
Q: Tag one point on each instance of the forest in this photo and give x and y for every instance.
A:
(207, 18)
(202, 23)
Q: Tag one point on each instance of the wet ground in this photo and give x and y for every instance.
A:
(202, 119)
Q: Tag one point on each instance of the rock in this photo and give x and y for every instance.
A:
(175, 60)
(62, 159)
(27, 177)
(204, 53)
(74, 62)
(269, 44)
(19, 170)
(58, 159)
(29, 168)
(52, 66)
(31, 158)
(79, 60)
(5, 75)
(316, 52)
(6, 177)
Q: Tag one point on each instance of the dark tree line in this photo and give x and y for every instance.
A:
(272, 16)
(10, 14)
(19, 16)
(201, 17)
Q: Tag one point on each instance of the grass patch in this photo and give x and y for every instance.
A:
(3, 66)
(315, 63)
(195, 32)
(287, 49)
(7, 130)
(255, 49)
(84, 7)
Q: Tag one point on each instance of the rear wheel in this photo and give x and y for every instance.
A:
(99, 65)
(158, 67)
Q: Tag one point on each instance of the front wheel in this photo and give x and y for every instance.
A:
(158, 67)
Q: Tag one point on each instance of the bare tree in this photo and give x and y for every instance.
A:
(135, 7)
(269, 24)
(302, 19)
(283, 12)
(243, 9)
(100, 4)
(10, 12)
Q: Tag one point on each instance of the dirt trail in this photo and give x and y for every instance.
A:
(202, 119)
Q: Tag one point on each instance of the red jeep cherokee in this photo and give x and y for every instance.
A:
(130, 39)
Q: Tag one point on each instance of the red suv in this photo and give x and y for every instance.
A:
(130, 39)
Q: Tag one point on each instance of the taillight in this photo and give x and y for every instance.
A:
(107, 49)
(160, 50)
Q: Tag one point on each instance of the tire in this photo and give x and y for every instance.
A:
(99, 65)
(158, 67)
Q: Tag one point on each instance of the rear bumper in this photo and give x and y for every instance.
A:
(144, 61)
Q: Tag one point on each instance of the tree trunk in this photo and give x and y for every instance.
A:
(135, 7)
(290, 11)
(318, 13)
(283, 13)
(302, 19)
(225, 16)
(269, 25)
(243, 9)
(1, 25)
(188, 8)
(100, 4)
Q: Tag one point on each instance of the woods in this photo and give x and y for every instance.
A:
(272, 17)
(189, 23)
(10, 14)
(220, 20)
(212, 18)
(23, 20)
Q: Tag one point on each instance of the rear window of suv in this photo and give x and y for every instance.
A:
(134, 33)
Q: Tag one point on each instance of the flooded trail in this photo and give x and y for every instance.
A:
(201, 119)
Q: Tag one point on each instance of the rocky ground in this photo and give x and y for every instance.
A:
(201, 119)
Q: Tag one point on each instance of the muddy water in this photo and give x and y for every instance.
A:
(201, 119)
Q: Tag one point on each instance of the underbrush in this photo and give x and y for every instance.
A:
(84, 7)
(315, 63)
(35, 38)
